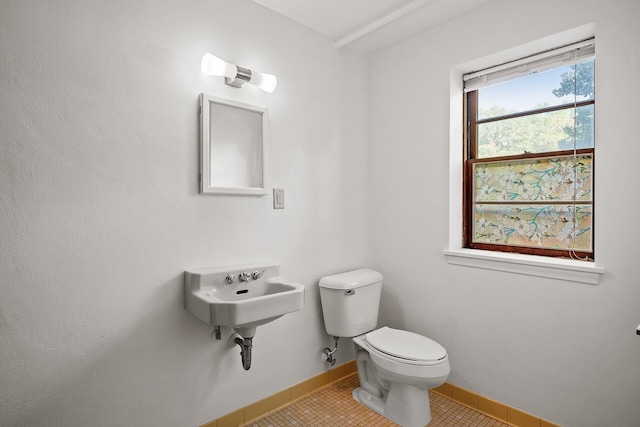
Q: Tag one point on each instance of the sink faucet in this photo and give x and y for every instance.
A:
(244, 276)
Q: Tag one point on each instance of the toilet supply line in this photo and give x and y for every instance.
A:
(327, 353)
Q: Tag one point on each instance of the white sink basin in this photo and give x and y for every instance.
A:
(241, 304)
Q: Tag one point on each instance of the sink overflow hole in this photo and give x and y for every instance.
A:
(243, 291)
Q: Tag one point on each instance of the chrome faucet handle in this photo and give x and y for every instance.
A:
(230, 278)
(244, 276)
(257, 274)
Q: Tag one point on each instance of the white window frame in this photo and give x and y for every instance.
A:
(531, 265)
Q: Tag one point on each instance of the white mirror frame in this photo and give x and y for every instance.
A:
(207, 126)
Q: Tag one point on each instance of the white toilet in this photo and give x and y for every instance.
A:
(395, 367)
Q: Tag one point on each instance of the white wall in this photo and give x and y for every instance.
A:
(563, 351)
(100, 213)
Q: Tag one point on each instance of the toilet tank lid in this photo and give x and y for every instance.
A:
(351, 279)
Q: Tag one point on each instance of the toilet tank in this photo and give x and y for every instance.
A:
(350, 302)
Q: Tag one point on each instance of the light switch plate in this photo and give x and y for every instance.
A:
(278, 198)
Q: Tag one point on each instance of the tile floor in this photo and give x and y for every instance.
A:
(334, 406)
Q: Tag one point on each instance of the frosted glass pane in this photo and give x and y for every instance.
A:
(551, 226)
(545, 179)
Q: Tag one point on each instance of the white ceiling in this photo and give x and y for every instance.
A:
(371, 25)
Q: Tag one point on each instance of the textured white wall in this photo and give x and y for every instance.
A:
(564, 351)
(100, 213)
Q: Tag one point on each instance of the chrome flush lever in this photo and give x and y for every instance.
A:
(257, 274)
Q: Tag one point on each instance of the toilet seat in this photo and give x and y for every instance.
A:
(405, 346)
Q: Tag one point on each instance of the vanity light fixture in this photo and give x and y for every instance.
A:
(235, 75)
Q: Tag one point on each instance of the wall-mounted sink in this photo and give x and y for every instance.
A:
(242, 296)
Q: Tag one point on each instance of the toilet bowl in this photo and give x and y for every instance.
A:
(395, 367)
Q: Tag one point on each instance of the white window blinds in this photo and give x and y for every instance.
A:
(567, 55)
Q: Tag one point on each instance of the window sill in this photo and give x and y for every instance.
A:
(531, 265)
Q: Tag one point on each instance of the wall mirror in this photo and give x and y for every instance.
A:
(232, 147)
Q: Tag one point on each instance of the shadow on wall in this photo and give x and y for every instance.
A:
(391, 313)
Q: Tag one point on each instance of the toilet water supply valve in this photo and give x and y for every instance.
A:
(327, 353)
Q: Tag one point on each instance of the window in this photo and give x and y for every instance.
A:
(529, 155)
